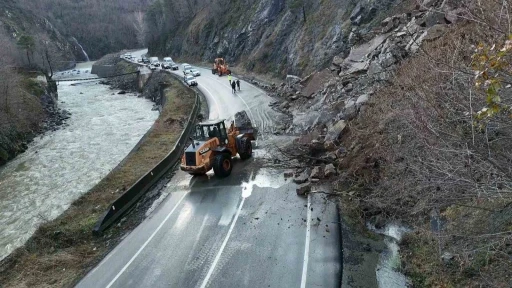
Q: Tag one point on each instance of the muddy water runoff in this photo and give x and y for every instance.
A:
(61, 166)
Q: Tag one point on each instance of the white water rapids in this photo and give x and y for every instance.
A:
(61, 166)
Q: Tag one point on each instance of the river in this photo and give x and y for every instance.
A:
(61, 166)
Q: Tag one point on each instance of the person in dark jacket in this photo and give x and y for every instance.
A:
(233, 86)
(238, 84)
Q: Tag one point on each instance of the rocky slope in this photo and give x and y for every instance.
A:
(338, 93)
(268, 36)
(397, 118)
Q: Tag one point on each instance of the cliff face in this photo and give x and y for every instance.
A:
(270, 36)
(28, 102)
(16, 21)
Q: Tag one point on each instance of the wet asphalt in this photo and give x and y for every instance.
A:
(247, 230)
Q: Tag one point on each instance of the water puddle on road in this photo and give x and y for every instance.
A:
(265, 178)
(60, 167)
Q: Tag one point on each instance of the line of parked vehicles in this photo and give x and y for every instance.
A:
(189, 73)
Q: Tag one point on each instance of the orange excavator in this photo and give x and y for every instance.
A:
(220, 67)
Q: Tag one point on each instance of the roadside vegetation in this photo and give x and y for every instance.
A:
(435, 153)
(63, 250)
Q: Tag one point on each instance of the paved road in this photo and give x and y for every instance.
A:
(248, 230)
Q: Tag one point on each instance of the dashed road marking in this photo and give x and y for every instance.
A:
(146, 243)
(306, 248)
(217, 257)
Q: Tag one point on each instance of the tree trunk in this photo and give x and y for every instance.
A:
(28, 59)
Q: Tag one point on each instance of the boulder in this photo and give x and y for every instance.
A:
(303, 189)
(242, 119)
(454, 16)
(331, 157)
(431, 18)
(288, 173)
(338, 61)
(361, 100)
(285, 105)
(428, 3)
(434, 32)
(334, 132)
(302, 177)
(329, 171)
(358, 10)
(317, 173)
(447, 257)
(349, 103)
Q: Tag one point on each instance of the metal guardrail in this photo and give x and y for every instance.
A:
(140, 188)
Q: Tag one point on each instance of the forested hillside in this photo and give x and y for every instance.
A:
(101, 27)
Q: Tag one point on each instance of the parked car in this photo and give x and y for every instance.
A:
(195, 72)
(190, 80)
(139, 60)
(169, 64)
(145, 60)
(154, 61)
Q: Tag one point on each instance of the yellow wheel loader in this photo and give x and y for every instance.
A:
(214, 146)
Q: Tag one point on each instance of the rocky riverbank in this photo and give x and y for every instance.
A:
(45, 116)
(111, 66)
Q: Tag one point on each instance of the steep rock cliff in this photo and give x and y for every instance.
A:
(267, 36)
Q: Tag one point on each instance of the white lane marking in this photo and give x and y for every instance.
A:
(214, 99)
(306, 249)
(147, 242)
(200, 232)
(217, 258)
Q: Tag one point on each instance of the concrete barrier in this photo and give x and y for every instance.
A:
(103, 70)
(134, 193)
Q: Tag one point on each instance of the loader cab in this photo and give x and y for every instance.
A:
(208, 130)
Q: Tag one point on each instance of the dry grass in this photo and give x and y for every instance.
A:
(64, 249)
(421, 153)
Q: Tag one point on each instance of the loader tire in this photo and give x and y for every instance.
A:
(245, 149)
(222, 165)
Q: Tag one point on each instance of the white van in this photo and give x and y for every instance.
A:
(154, 61)
(186, 68)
